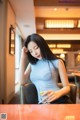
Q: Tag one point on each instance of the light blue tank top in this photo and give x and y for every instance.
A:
(44, 76)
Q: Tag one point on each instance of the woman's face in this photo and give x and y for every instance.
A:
(34, 50)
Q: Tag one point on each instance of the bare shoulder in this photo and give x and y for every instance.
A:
(60, 61)
(61, 64)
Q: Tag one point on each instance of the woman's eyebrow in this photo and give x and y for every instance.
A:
(33, 47)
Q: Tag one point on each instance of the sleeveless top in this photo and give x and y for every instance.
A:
(44, 76)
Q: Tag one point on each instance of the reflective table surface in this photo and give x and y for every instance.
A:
(40, 112)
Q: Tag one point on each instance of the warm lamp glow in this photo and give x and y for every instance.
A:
(12, 52)
(59, 45)
(52, 45)
(59, 23)
(11, 40)
(78, 23)
(62, 56)
(12, 35)
(63, 45)
(12, 45)
(57, 50)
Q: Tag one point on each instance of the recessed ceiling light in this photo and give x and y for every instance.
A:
(55, 9)
(66, 8)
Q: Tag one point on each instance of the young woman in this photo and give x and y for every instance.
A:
(43, 69)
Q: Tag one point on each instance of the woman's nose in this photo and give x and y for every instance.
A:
(35, 53)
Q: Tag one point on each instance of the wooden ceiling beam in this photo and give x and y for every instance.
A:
(56, 2)
(73, 42)
(59, 31)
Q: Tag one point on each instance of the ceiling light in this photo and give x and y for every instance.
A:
(52, 45)
(63, 45)
(67, 9)
(55, 9)
(57, 50)
(59, 23)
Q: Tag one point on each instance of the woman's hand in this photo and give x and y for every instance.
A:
(50, 96)
(24, 52)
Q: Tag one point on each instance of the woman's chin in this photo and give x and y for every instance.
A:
(39, 58)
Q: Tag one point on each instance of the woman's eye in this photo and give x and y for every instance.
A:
(36, 47)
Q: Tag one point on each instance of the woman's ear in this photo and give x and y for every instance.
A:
(25, 49)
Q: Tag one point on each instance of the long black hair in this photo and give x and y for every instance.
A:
(42, 44)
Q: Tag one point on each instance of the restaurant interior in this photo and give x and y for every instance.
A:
(58, 21)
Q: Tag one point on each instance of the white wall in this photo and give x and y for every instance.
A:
(25, 17)
(18, 47)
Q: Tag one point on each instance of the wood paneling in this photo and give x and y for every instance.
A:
(57, 2)
(40, 27)
(59, 31)
(41, 112)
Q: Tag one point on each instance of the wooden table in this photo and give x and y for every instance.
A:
(41, 112)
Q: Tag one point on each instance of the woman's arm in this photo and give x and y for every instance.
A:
(23, 63)
(54, 95)
(64, 78)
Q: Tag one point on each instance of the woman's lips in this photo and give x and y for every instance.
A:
(38, 56)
